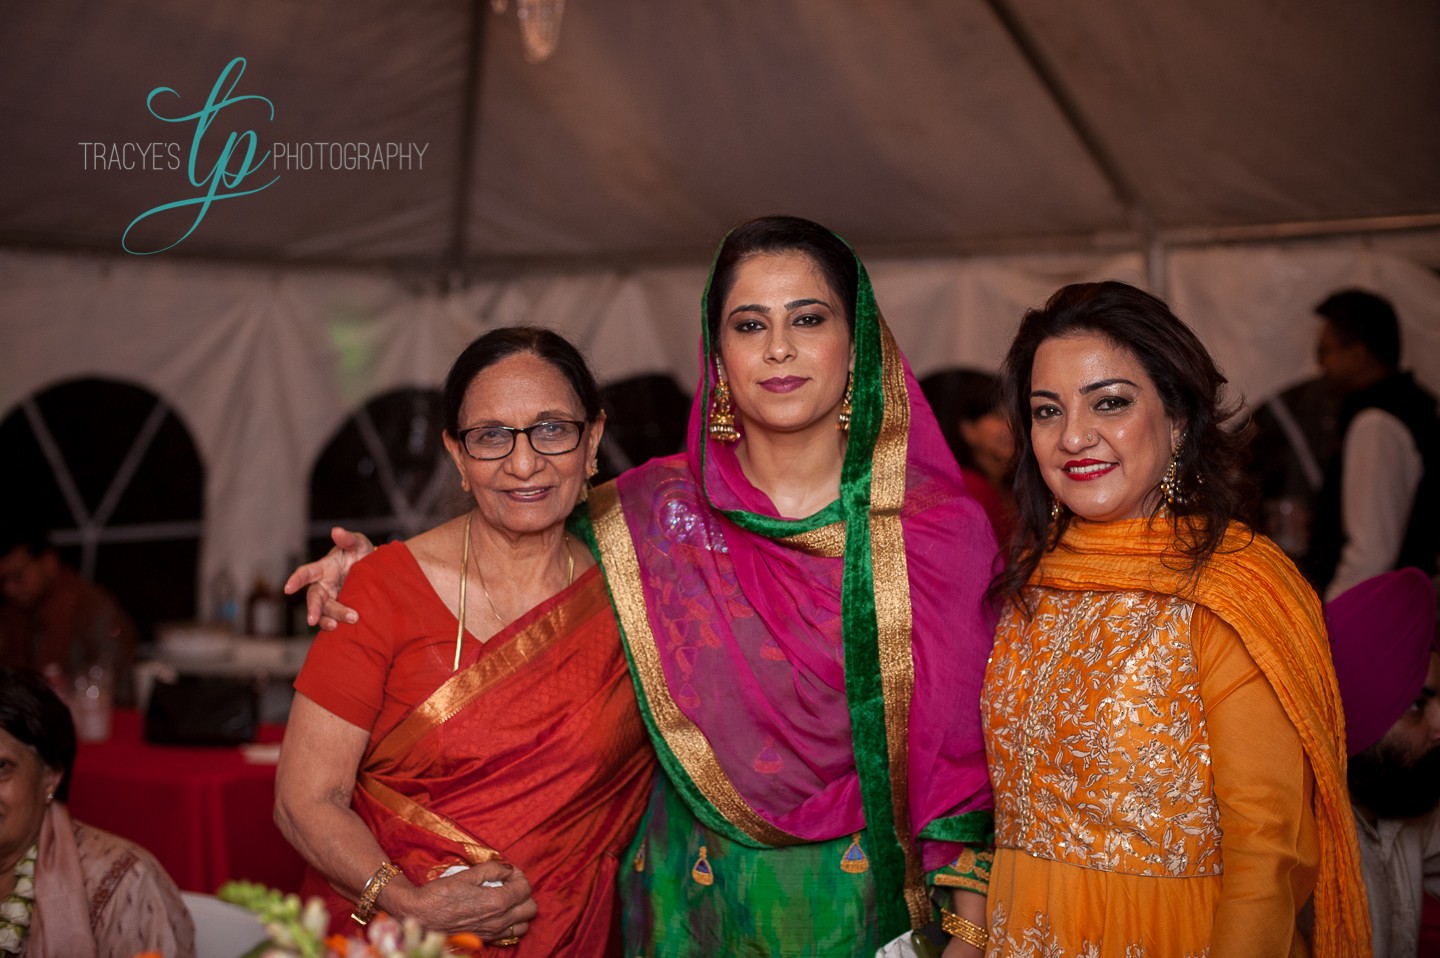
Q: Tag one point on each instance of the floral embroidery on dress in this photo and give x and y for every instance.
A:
(1098, 750)
(1040, 941)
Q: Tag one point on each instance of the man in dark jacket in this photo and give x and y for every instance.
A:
(1379, 504)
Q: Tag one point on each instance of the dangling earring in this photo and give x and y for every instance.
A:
(842, 421)
(722, 420)
(1054, 510)
(1170, 489)
(464, 484)
(585, 487)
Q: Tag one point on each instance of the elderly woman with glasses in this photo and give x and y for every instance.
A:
(468, 752)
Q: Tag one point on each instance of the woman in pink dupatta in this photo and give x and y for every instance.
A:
(807, 649)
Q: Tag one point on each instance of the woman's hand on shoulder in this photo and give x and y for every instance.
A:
(462, 902)
(324, 577)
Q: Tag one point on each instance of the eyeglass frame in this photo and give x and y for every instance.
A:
(517, 431)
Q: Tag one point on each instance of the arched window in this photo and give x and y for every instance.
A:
(113, 473)
(645, 417)
(384, 472)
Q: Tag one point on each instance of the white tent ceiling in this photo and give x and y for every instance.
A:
(978, 153)
(929, 126)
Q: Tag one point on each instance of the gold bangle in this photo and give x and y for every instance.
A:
(964, 929)
(365, 907)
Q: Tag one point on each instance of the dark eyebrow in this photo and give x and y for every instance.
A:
(1087, 390)
(750, 308)
(1045, 393)
(797, 303)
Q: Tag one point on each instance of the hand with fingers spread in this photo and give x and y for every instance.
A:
(324, 577)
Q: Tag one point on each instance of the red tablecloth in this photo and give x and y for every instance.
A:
(205, 813)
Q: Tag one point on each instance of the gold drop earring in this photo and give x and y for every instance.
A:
(842, 420)
(722, 417)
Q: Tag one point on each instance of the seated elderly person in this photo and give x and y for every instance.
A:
(1382, 635)
(68, 890)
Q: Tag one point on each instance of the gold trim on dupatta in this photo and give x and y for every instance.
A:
(682, 736)
(890, 570)
(534, 638)
(827, 541)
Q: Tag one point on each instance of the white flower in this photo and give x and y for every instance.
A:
(315, 919)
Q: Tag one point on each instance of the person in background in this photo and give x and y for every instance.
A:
(967, 406)
(1160, 676)
(1382, 632)
(474, 734)
(1291, 437)
(67, 889)
(55, 622)
(1379, 503)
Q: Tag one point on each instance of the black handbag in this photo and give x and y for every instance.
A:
(202, 710)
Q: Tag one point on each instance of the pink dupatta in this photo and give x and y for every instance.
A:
(808, 679)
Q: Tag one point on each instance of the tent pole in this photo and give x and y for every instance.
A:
(469, 124)
(1140, 215)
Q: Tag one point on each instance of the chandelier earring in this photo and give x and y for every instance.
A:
(842, 420)
(722, 417)
(1170, 488)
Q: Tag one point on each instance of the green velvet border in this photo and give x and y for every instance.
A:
(864, 689)
(967, 828)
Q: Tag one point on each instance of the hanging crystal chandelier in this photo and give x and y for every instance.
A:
(539, 25)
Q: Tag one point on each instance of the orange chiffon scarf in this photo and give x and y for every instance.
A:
(1255, 589)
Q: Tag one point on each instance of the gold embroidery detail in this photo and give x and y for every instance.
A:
(827, 541)
(971, 871)
(1041, 941)
(681, 735)
(853, 860)
(892, 606)
(1099, 755)
(701, 871)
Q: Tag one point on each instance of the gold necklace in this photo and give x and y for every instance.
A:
(465, 565)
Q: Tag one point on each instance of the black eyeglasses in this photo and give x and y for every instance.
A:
(554, 437)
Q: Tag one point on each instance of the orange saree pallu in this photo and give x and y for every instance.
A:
(532, 752)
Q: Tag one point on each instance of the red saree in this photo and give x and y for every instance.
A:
(532, 752)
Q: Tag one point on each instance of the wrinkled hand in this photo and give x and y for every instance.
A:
(325, 575)
(463, 903)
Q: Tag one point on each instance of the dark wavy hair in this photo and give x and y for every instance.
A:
(1211, 458)
(507, 341)
(781, 234)
(32, 712)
